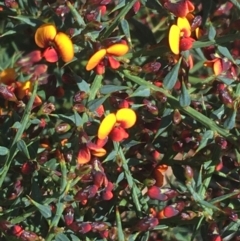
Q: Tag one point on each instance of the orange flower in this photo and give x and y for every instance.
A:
(179, 36)
(91, 149)
(106, 56)
(222, 66)
(114, 125)
(8, 76)
(215, 64)
(47, 37)
(159, 174)
(180, 8)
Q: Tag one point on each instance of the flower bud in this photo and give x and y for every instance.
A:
(7, 94)
(29, 236)
(80, 108)
(176, 117)
(80, 227)
(146, 224)
(188, 173)
(151, 67)
(68, 215)
(62, 128)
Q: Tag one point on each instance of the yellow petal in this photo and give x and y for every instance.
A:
(95, 59)
(64, 46)
(174, 38)
(118, 49)
(106, 126)
(99, 152)
(44, 34)
(183, 23)
(8, 76)
(23, 89)
(126, 117)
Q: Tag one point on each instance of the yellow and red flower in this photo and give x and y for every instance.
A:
(222, 66)
(179, 37)
(55, 43)
(91, 149)
(115, 125)
(107, 57)
(13, 90)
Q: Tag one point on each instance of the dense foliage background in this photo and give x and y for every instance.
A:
(119, 120)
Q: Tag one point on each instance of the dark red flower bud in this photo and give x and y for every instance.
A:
(146, 224)
(7, 94)
(68, 215)
(80, 108)
(80, 96)
(98, 178)
(86, 193)
(80, 227)
(215, 237)
(154, 192)
(29, 236)
(177, 146)
(28, 168)
(62, 128)
(176, 117)
(99, 226)
(188, 173)
(189, 215)
(151, 67)
(107, 195)
(222, 142)
(16, 230)
(231, 213)
(104, 234)
(226, 98)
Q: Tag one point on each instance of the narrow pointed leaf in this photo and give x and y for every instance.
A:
(172, 77)
(185, 99)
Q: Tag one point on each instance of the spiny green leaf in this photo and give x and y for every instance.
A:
(184, 99)
(22, 147)
(3, 151)
(43, 209)
(171, 78)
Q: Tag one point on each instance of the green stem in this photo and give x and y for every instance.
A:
(64, 187)
(133, 187)
(116, 20)
(119, 226)
(13, 149)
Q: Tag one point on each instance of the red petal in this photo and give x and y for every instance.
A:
(113, 62)
(179, 9)
(50, 54)
(154, 192)
(84, 156)
(118, 134)
(186, 43)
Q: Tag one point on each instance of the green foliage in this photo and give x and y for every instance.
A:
(166, 170)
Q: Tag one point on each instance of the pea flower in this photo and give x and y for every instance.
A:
(13, 90)
(222, 66)
(90, 149)
(107, 57)
(115, 125)
(55, 43)
(179, 37)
